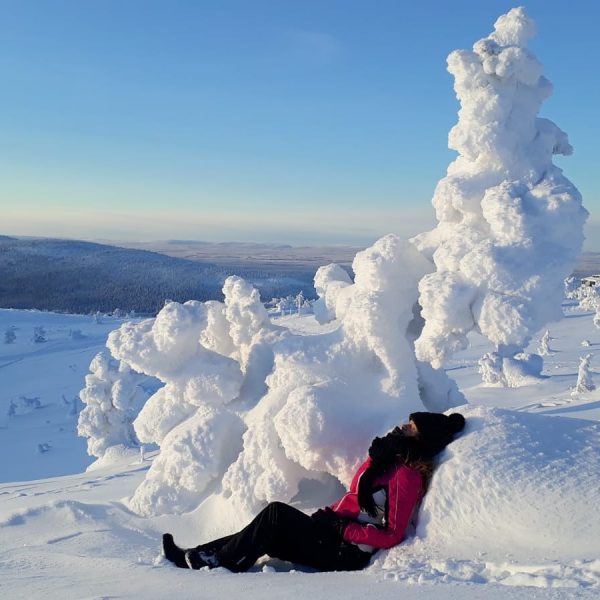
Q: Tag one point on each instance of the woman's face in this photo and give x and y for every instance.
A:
(409, 429)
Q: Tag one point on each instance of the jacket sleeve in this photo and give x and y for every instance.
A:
(404, 490)
(354, 484)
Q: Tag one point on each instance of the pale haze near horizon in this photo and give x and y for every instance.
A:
(304, 125)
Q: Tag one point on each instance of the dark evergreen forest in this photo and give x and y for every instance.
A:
(83, 277)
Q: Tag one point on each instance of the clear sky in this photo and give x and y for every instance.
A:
(304, 121)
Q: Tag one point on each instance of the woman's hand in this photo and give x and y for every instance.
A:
(329, 519)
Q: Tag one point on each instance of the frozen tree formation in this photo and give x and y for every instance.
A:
(39, 335)
(207, 355)
(9, 335)
(584, 376)
(544, 348)
(250, 410)
(510, 224)
(588, 298)
(112, 396)
(330, 394)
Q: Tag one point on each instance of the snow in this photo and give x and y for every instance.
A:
(511, 504)
(246, 409)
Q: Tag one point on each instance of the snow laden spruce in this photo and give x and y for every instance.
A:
(249, 411)
(510, 224)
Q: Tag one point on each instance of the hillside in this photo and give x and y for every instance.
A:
(83, 277)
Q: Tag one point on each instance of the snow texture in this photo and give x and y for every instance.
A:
(509, 222)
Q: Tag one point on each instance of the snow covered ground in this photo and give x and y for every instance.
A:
(42, 381)
(491, 525)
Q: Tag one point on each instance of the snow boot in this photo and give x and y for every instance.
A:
(172, 552)
(196, 559)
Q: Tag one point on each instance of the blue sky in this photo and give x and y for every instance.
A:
(302, 122)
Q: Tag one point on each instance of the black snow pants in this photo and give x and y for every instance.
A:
(284, 532)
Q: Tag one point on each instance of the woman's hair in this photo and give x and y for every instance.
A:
(424, 467)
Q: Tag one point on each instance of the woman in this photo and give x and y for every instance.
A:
(373, 514)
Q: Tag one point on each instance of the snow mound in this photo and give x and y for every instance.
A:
(516, 490)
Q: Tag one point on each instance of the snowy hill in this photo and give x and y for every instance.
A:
(80, 277)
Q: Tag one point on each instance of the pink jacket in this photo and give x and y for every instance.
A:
(403, 486)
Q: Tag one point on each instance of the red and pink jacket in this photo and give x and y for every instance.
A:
(396, 493)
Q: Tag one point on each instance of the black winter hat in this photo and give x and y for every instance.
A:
(437, 430)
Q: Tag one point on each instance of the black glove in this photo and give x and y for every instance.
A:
(328, 519)
(383, 449)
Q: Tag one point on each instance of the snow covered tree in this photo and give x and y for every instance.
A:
(510, 224)
(12, 408)
(584, 376)
(208, 355)
(112, 397)
(10, 336)
(570, 286)
(588, 298)
(544, 349)
(39, 335)
(299, 301)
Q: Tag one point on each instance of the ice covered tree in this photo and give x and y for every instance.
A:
(544, 349)
(10, 336)
(584, 376)
(330, 280)
(330, 394)
(510, 224)
(39, 335)
(213, 359)
(588, 298)
(112, 396)
(571, 285)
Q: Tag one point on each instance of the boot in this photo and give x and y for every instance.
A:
(172, 552)
(196, 559)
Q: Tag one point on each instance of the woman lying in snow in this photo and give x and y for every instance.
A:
(373, 514)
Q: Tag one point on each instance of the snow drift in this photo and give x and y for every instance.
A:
(517, 491)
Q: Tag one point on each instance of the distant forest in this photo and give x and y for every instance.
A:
(83, 277)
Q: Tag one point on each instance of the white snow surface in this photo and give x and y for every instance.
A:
(510, 512)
